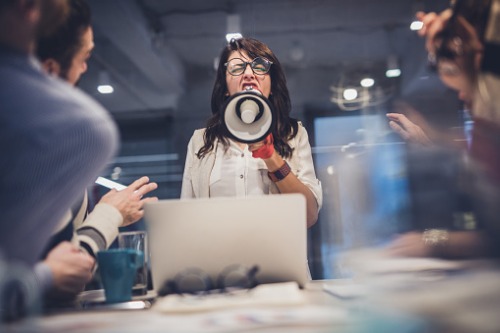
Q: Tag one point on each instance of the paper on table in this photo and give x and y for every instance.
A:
(303, 318)
(273, 294)
(351, 290)
(374, 261)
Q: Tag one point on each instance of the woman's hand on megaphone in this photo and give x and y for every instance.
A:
(263, 149)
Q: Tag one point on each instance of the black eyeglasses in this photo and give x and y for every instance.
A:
(259, 66)
(195, 281)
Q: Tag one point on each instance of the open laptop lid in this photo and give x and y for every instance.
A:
(212, 234)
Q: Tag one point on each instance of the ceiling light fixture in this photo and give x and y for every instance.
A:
(232, 36)
(393, 69)
(105, 86)
(416, 25)
(350, 94)
(233, 27)
(349, 98)
(367, 82)
(105, 89)
(396, 72)
(417, 6)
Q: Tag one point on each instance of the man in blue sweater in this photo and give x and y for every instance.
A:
(54, 139)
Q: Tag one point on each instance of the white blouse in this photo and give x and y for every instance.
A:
(234, 172)
(237, 174)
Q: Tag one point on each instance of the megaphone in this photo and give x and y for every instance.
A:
(248, 116)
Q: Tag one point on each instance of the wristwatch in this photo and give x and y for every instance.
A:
(279, 174)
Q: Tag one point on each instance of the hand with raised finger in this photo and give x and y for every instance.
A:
(130, 201)
(135, 213)
(408, 130)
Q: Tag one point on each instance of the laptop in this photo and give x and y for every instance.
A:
(210, 235)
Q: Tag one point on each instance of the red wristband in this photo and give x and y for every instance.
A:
(267, 150)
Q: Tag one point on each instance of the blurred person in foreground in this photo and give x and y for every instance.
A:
(282, 163)
(64, 53)
(463, 46)
(54, 140)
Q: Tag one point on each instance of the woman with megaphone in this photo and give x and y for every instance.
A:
(251, 145)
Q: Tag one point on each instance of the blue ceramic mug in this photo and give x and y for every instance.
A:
(118, 269)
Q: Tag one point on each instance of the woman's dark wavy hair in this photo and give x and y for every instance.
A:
(285, 128)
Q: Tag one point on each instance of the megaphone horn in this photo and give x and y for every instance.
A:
(249, 110)
(248, 116)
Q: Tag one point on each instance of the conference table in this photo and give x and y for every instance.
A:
(315, 311)
(397, 295)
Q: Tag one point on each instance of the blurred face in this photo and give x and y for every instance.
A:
(452, 76)
(467, 50)
(248, 79)
(79, 63)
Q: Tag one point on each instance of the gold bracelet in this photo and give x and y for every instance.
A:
(435, 237)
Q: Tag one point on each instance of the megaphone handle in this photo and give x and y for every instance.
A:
(267, 149)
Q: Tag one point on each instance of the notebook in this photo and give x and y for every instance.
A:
(213, 234)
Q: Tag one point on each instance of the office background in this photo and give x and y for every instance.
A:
(159, 58)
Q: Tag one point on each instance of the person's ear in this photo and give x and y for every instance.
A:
(52, 67)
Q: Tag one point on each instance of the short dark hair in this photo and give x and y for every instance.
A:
(52, 13)
(63, 43)
(286, 127)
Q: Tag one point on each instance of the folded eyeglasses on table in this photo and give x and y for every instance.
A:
(195, 281)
